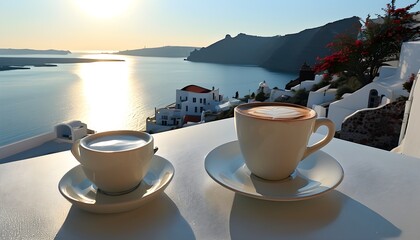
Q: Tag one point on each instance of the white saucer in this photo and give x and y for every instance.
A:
(81, 192)
(315, 175)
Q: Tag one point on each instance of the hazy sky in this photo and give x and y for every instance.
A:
(131, 24)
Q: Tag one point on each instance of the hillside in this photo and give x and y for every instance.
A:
(309, 44)
(277, 53)
(168, 51)
(11, 51)
(242, 49)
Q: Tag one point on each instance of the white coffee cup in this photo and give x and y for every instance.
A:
(115, 161)
(273, 137)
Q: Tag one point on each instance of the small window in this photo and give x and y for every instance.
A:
(186, 108)
(201, 100)
(194, 99)
(195, 109)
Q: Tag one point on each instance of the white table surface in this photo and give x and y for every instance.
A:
(378, 198)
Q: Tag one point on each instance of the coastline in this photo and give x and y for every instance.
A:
(19, 63)
(9, 68)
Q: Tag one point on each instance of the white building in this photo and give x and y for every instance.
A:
(263, 87)
(191, 102)
(305, 85)
(320, 99)
(308, 84)
(71, 131)
(279, 93)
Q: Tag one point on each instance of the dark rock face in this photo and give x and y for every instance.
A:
(309, 44)
(379, 128)
(242, 50)
(278, 53)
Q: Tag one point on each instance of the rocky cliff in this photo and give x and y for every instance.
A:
(242, 49)
(278, 53)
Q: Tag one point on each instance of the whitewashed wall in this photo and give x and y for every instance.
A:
(340, 109)
(411, 141)
(321, 96)
(276, 93)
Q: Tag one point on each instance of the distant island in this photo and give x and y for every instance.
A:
(12, 51)
(278, 53)
(18, 63)
(167, 51)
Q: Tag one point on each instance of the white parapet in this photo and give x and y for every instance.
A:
(321, 111)
(409, 139)
(64, 132)
(26, 144)
(321, 96)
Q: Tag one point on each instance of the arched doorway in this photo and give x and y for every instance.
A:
(374, 100)
(64, 131)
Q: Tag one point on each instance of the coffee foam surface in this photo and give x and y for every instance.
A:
(116, 143)
(276, 112)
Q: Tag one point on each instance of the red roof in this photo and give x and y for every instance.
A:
(196, 89)
(191, 118)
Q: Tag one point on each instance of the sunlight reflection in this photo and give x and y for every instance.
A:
(107, 93)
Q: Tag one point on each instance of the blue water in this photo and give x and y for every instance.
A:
(111, 95)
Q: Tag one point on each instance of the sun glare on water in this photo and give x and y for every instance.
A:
(107, 95)
(104, 8)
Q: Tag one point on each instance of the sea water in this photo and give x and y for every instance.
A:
(111, 95)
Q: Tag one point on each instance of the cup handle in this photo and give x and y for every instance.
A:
(331, 131)
(75, 149)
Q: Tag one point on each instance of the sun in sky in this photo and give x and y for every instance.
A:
(104, 8)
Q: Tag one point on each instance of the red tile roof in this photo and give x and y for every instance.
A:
(191, 118)
(196, 89)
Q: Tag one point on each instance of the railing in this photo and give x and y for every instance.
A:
(26, 144)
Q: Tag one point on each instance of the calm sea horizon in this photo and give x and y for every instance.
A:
(111, 95)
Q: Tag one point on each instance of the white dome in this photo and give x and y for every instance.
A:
(263, 84)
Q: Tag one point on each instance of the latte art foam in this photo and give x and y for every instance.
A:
(276, 112)
(116, 143)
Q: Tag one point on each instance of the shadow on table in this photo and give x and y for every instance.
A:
(331, 216)
(159, 219)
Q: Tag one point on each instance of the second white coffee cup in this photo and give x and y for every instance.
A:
(273, 137)
(115, 161)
